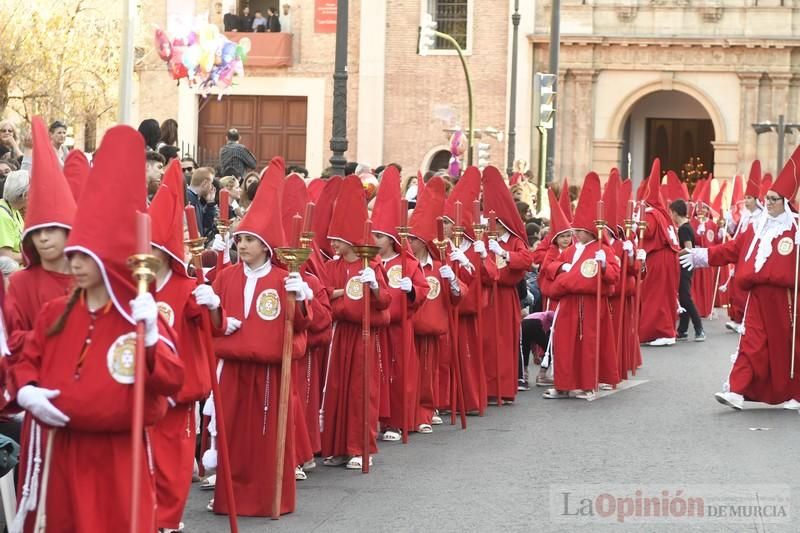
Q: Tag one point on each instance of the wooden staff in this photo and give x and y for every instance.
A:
(41, 510)
(143, 264)
(637, 302)
(599, 224)
(408, 410)
(479, 229)
(622, 298)
(196, 244)
(492, 234)
(292, 257)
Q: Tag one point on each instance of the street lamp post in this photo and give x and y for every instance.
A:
(339, 131)
(512, 118)
(126, 60)
(781, 128)
(555, 39)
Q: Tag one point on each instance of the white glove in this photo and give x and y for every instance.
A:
(641, 255)
(144, 309)
(723, 288)
(600, 257)
(405, 284)
(218, 244)
(566, 267)
(721, 234)
(205, 295)
(496, 249)
(701, 228)
(681, 310)
(447, 273)
(480, 249)
(232, 325)
(458, 255)
(368, 276)
(696, 258)
(36, 401)
(627, 246)
(294, 283)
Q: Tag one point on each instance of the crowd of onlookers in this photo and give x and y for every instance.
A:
(269, 22)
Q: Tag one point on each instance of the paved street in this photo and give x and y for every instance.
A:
(497, 475)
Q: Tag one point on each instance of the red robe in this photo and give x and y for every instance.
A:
(343, 399)
(92, 453)
(629, 355)
(762, 367)
(250, 384)
(703, 279)
(660, 288)
(502, 321)
(469, 339)
(174, 437)
(575, 328)
(402, 388)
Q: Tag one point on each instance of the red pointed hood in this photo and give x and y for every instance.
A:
(737, 197)
(754, 180)
(497, 198)
(386, 209)
(675, 189)
(115, 192)
(167, 216)
(642, 189)
(430, 205)
(586, 212)
(766, 184)
(611, 201)
(704, 194)
(294, 200)
(558, 220)
(625, 191)
(50, 200)
(264, 219)
(323, 213)
(349, 213)
(466, 191)
(564, 200)
(76, 170)
(315, 188)
(716, 205)
(788, 180)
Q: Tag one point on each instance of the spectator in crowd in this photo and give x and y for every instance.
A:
(188, 165)
(169, 133)
(231, 184)
(151, 133)
(259, 23)
(273, 21)
(286, 18)
(12, 213)
(234, 157)
(246, 20)
(250, 182)
(524, 211)
(9, 139)
(230, 22)
(6, 167)
(296, 169)
(200, 189)
(154, 170)
(58, 136)
(168, 153)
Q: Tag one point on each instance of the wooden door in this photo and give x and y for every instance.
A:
(675, 141)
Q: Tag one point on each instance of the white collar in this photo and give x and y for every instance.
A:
(428, 261)
(258, 272)
(388, 258)
(505, 236)
(163, 284)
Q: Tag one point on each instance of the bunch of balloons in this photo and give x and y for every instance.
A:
(204, 56)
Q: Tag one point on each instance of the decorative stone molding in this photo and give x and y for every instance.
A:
(711, 11)
(627, 12)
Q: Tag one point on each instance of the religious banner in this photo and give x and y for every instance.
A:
(325, 16)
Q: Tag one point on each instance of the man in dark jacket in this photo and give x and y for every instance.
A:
(273, 21)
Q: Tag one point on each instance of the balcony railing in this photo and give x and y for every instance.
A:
(267, 49)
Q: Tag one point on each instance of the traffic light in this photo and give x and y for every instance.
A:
(427, 34)
(545, 95)
(482, 154)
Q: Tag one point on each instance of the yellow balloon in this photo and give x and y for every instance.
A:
(245, 44)
(208, 33)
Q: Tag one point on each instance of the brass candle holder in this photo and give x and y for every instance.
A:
(366, 252)
(479, 230)
(628, 223)
(458, 235)
(293, 258)
(223, 226)
(143, 268)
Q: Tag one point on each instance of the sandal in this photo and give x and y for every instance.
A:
(210, 506)
(337, 460)
(391, 435)
(553, 394)
(299, 475)
(425, 428)
(209, 483)
(436, 420)
(543, 381)
(355, 462)
(586, 395)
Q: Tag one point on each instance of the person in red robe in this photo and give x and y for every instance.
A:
(766, 269)
(503, 318)
(253, 295)
(181, 303)
(574, 283)
(342, 414)
(82, 348)
(405, 282)
(432, 320)
(660, 288)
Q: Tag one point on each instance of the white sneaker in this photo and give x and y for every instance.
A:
(309, 465)
(731, 325)
(663, 341)
(436, 420)
(731, 399)
(355, 462)
(299, 475)
(791, 404)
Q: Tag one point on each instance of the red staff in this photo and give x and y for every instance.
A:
(196, 249)
(622, 297)
(479, 228)
(599, 224)
(292, 257)
(493, 236)
(402, 232)
(637, 303)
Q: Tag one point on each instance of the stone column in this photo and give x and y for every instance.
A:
(749, 115)
(780, 106)
(763, 146)
(584, 123)
(565, 109)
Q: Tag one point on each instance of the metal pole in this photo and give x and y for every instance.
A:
(471, 131)
(339, 139)
(126, 67)
(781, 135)
(512, 118)
(555, 38)
(542, 165)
